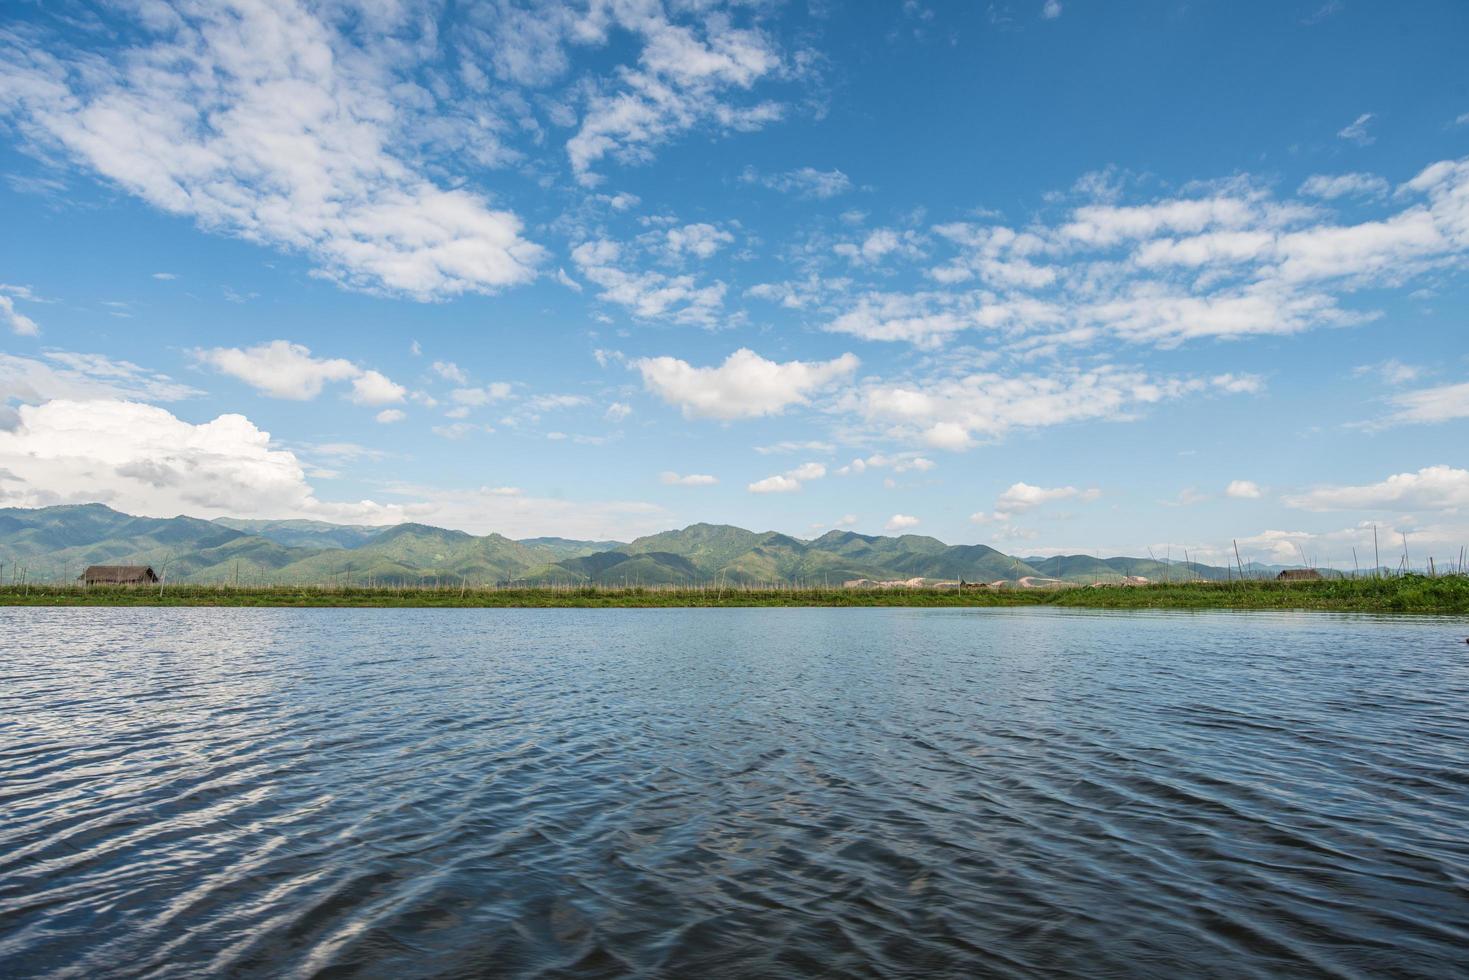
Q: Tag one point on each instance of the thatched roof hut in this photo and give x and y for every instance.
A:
(1299, 575)
(119, 575)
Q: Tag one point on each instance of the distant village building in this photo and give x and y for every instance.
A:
(867, 583)
(119, 575)
(1299, 575)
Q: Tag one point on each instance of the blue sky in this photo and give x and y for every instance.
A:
(1057, 277)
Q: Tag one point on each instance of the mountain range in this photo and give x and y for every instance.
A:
(56, 543)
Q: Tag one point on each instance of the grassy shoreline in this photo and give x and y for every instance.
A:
(1407, 594)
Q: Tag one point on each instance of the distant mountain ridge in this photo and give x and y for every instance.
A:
(56, 543)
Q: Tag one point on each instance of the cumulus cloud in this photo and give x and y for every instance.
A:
(901, 522)
(791, 480)
(375, 388)
(1331, 187)
(878, 245)
(1243, 490)
(701, 240)
(389, 415)
(1020, 498)
(281, 369)
(617, 411)
(688, 76)
(1442, 403)
(746, 385)
(82, 377)
(296, 142)
(805, 182)
(647, 294)
(1432, 488)
(475, 397)
(450, 371)
(898, 463)
(1228, 260)
(18, 322)
(775, 484)
(143, 460)
(672, 479)
(954, 413)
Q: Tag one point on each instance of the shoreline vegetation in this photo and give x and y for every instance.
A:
(1443, 594)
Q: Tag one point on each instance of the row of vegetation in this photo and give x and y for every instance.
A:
(1406, 593)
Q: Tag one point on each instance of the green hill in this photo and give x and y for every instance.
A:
(306, 534)
(56, 543)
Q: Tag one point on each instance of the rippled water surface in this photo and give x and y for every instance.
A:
(731, 792)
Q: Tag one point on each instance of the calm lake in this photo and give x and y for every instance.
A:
(718, 792)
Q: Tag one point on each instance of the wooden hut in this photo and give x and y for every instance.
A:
(119, 575)
(1299, 575)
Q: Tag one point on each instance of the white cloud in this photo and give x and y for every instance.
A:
(805, 182)
(672, 479)
(18, 322)
(808, 471)
(617, 411)
(1330, 187)
(543, 403)
(648, 295)
(567, 281)
(1432, 488)
(746, 385)
(304, 142)
(1391, 372)
(375, 388)
(1356, 131)
(775, 484)
(898, 463)
(1021, 498)
(701, 240)
(954, 413)
(683, 81)
(389, 415)
(141, 459)
(83, 377)
(791, 480)
(1429, 405)
(1227, 261)
(901, 522)
(450, 371)
(165, 276)
(1051, 10)
(1243, 490)
(474, 397)
(282, 369)
(878, 245)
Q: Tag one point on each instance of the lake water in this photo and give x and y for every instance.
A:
(714, 792)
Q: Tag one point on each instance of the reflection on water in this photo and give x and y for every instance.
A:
(718, 792)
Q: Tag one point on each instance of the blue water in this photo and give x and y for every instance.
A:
(773, 792)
